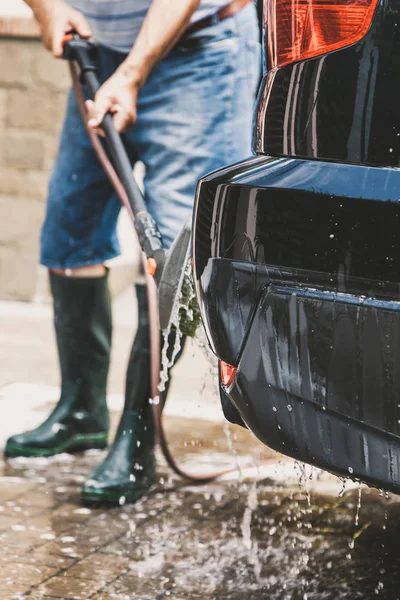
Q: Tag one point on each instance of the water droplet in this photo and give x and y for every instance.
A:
(47, 536)
(82, 511)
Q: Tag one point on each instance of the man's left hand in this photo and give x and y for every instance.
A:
(118, 96)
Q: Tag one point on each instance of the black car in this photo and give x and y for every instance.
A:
(297, 250)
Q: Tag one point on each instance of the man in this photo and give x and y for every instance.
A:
(180, 75)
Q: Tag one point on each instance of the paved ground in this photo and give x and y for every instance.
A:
(254, 535)
(54, 548)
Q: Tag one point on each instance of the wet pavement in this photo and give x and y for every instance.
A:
(258, 538)
(275, 530)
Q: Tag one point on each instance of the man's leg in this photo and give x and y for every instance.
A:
(128, 471)
(194, 116)
(77, 237)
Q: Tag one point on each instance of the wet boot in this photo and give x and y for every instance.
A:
(80, 421)
(128, 471)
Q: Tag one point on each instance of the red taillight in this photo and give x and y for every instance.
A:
(300, 29)
(227, 373)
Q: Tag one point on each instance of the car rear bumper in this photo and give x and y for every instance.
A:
(297, 269)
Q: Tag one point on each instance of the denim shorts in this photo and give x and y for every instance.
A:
(194, 116)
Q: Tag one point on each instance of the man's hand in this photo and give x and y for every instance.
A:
(56, 19)
(118, 95)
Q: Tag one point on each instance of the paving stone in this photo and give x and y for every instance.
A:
(42, 556)
(129, 587)
(19, 539)
(35, 596)
(38, 498)
(21, 511)
(111, 596)
(9, 592)
(7, 521)
(121, 547)
(23, 574)
(12, 488)
(68, 514)
(100, 566)
(39, 525)
(69, 588)
(68, 549)
(102, 530)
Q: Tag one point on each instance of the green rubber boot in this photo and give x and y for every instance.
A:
(128, 471)
(80, 421)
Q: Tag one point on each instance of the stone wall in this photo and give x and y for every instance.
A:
(33, 92)
(33, 88)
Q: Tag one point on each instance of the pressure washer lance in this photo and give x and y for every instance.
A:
(167, 270)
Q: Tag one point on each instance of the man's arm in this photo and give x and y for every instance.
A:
(164, 24)
(55, 19)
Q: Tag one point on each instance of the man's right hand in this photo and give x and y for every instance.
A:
(56, 19)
